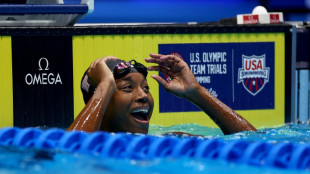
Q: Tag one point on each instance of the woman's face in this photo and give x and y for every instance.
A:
(131, 106)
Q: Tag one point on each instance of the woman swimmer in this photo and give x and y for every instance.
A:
(121, 101)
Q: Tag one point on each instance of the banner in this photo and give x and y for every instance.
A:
(239, 74)
(42, 81)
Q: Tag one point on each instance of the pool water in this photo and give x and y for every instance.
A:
(299, 133)
(29, 160)
(191, 128)
(23, 161)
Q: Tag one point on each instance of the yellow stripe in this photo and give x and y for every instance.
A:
(108, 46)
(98, 45)
(6, 82)
(78, 66)
(118, 46)
(128, 47)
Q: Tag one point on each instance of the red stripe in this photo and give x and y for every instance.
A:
(250, 88)
(261, 82)
(246, 82)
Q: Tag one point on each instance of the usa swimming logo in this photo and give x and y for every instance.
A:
(254, 74)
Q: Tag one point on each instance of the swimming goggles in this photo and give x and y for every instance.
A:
(124, 68)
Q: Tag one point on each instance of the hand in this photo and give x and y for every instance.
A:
(182, 82)
(98, 71)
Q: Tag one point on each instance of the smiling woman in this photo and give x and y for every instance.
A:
(117, 95)
(131, 105)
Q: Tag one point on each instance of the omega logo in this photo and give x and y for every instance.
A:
(43, 78)
(40, 68)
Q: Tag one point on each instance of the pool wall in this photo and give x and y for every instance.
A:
(42, 68)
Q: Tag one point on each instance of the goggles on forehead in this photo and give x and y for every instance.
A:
(124, 68)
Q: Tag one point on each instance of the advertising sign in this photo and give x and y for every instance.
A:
(42, 81)
(239, 74)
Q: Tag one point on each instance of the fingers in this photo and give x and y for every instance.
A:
(102, 60)
(160, 80)
(161, 69)
(169, 57)
(155, 55)
(99, 70)
(164, 60)
(160, 62)
(109, 59)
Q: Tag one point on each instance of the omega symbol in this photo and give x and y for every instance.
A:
(40, 67)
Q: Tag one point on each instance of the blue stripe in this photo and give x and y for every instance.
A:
(20, 9)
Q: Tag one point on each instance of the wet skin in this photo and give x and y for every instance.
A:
(130, 107)
(125, 104)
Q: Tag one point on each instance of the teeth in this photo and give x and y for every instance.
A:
(143, 111)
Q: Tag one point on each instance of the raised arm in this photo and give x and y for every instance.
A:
(99, 75)
(183, 84)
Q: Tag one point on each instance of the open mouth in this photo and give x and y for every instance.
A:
(141, 115)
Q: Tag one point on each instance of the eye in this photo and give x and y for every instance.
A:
(146, 88)
(127, 88)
